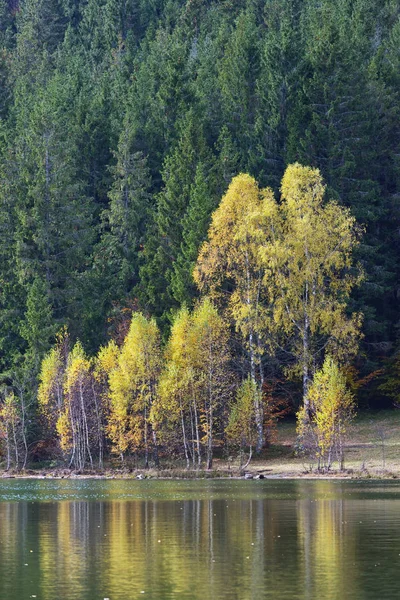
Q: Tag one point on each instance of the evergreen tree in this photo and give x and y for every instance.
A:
(163, 243)
(237, 79)
(129, 207)
(194, 231)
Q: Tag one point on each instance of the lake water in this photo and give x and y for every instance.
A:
(239, 540)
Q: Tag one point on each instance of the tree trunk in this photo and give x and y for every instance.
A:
(305, 369)
(257, 407)
(15, 445)
(85, 430)
(23, 429)
(155, 451)
(249, 459)
(8, 448)
(184, 438)
(196, 421)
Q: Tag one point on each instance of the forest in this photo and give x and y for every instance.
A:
(199, 225)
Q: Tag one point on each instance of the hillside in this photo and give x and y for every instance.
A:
(122, 124)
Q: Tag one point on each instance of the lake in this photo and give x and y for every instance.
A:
(233, 539)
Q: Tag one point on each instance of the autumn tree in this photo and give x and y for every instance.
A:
(80, 424)
(13, 429)
(196, 383)
(133, 388)
(310, 273)
(104, 363)
(242, 426)
(208, 347)
(70, 401)
(51, 397)
(174, 412)
(284, 273)
(229, 268)
(330, 410)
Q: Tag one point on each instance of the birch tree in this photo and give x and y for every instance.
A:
(242, 427)
(330, 410)
(133, 389)
(229, 268)
(196, 383)
(310, 273)
(208, 347)
(80, 422)
(12, 429)
(175, 411)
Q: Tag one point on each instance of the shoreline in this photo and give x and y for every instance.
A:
(178, 475)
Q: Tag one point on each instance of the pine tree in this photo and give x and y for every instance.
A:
(163, 241)
(237, 79)
(280, 65)
(53, 229)
(194, 231)
(129, 207)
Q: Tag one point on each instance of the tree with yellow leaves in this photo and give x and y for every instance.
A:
(230, 269)
(174, 412)
(51, 397)
(79, 424)
(104, 363)
(133, 385)
(210, 361)
(310, 274)
(11, 429)
(196, 382)
(330, 410)
(242, 427)
(284, 272)
(70, 402)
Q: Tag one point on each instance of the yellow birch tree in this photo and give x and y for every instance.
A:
(310, 273)
(242, 427)
(210, 361)
(330, 410)
(133, 386)
(173, 412)
(230, 270)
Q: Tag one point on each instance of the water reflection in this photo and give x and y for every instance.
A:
(312, 541)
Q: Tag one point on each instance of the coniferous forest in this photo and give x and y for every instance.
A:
(200, 225)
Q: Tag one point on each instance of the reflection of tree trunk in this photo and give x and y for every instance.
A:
(305, 506)
(211, 542)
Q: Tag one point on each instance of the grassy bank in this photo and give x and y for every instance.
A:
(372, 449)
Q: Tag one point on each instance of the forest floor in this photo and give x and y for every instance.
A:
(372, 450)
